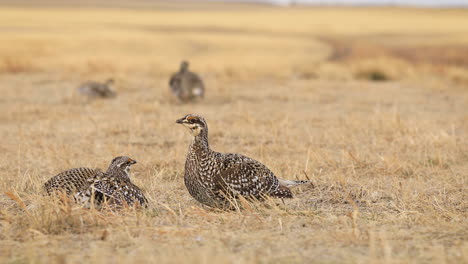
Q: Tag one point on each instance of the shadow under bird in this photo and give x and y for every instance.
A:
(214, 178)
(87, 185)
(97, 89)
(186, 85)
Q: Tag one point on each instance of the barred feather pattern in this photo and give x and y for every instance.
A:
(214, 178)
(71, 181)
(87, 185)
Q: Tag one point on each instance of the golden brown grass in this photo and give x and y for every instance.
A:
(388, 160)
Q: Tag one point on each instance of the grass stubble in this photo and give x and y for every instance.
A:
(387, 160)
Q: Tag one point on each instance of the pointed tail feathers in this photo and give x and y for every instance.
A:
(289, 183)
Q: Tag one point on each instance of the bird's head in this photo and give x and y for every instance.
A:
(121, 163)
(195, 123)
(108, 90)
(184, 66)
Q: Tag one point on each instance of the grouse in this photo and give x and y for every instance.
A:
(97, 89)
(214, 178)
(186, 85)
(113, 186)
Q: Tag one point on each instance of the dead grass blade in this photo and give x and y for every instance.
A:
(17, 199)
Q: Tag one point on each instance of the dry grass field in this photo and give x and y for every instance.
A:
(371, 104)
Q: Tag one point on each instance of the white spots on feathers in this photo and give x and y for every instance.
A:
(210, 175)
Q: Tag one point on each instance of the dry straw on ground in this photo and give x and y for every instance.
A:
(387, 160)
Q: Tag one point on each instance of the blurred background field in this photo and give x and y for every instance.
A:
(370, 103)
(239, 41)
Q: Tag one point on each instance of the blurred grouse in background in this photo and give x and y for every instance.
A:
(186, 85)
(97, 89)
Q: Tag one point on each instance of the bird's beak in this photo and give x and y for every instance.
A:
(180, 121)
(131, 161)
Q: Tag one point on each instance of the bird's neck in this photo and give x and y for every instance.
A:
(117, 172)
(183, 69)
(200, 143)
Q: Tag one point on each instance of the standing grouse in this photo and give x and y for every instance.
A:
(214, 178)
(186, 85)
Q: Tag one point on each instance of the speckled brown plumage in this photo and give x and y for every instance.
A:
(113, 186)
(117, 191)
(213, 178)
(71, 181)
